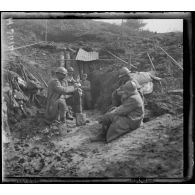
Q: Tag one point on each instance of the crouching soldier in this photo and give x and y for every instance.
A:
(124, 118)
(56, 105)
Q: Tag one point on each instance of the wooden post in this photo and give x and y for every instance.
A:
(62, 58)
(129, 59)
(67, 59)
(46, 31)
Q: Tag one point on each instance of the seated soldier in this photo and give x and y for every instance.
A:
(86, 86)
(124, 118)
(124, 77)
(56, 105)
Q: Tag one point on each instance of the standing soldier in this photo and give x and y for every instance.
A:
(86, 86)
(75, 100)
(70, 78)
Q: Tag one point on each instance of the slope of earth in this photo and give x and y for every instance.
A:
(155, 150)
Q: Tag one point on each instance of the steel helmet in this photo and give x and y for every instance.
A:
(70, 69)
(129, 86)
(61, 70)
(84, 75)
(124, 71)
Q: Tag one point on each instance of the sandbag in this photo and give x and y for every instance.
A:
(147, 88)
(145, 81)
(142, 77)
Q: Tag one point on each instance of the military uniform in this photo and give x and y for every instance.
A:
(126, 117)
(56, 104)
(116, 98)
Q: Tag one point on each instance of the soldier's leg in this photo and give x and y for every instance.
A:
(105, 122)
(120, 125)
(62, 107)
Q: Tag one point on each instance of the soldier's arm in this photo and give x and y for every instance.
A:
(60, 89)
(125, 109)
(87, 86)
(155, 78)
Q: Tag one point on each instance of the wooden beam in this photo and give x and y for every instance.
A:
(129, 59)
(179, 66)
(151, 62)
(94, 60)
(26, 46)
(176, 91)
(120, 59)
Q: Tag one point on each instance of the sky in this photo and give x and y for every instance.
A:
(157, 25)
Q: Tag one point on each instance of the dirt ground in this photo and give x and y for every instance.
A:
(155, 150)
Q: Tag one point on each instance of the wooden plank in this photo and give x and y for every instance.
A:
(176, 91)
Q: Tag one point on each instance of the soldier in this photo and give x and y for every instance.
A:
(70, 78)
(56, 105)
(124, 76)
(124, 118)
(75, 99)
(86, 86)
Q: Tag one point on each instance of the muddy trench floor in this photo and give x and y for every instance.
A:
(154, 150)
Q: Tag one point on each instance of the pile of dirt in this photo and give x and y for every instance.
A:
(23, 94)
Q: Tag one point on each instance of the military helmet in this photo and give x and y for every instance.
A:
(129, 86)
(61, 70)
(84, 75)
(70, 69)
(123, 72)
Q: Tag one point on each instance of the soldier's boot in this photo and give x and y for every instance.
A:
(102, 135)
(69, 117)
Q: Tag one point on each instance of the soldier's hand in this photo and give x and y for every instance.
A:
(80, 91)
(77, 85)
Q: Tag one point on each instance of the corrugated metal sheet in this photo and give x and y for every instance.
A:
(83, 55)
